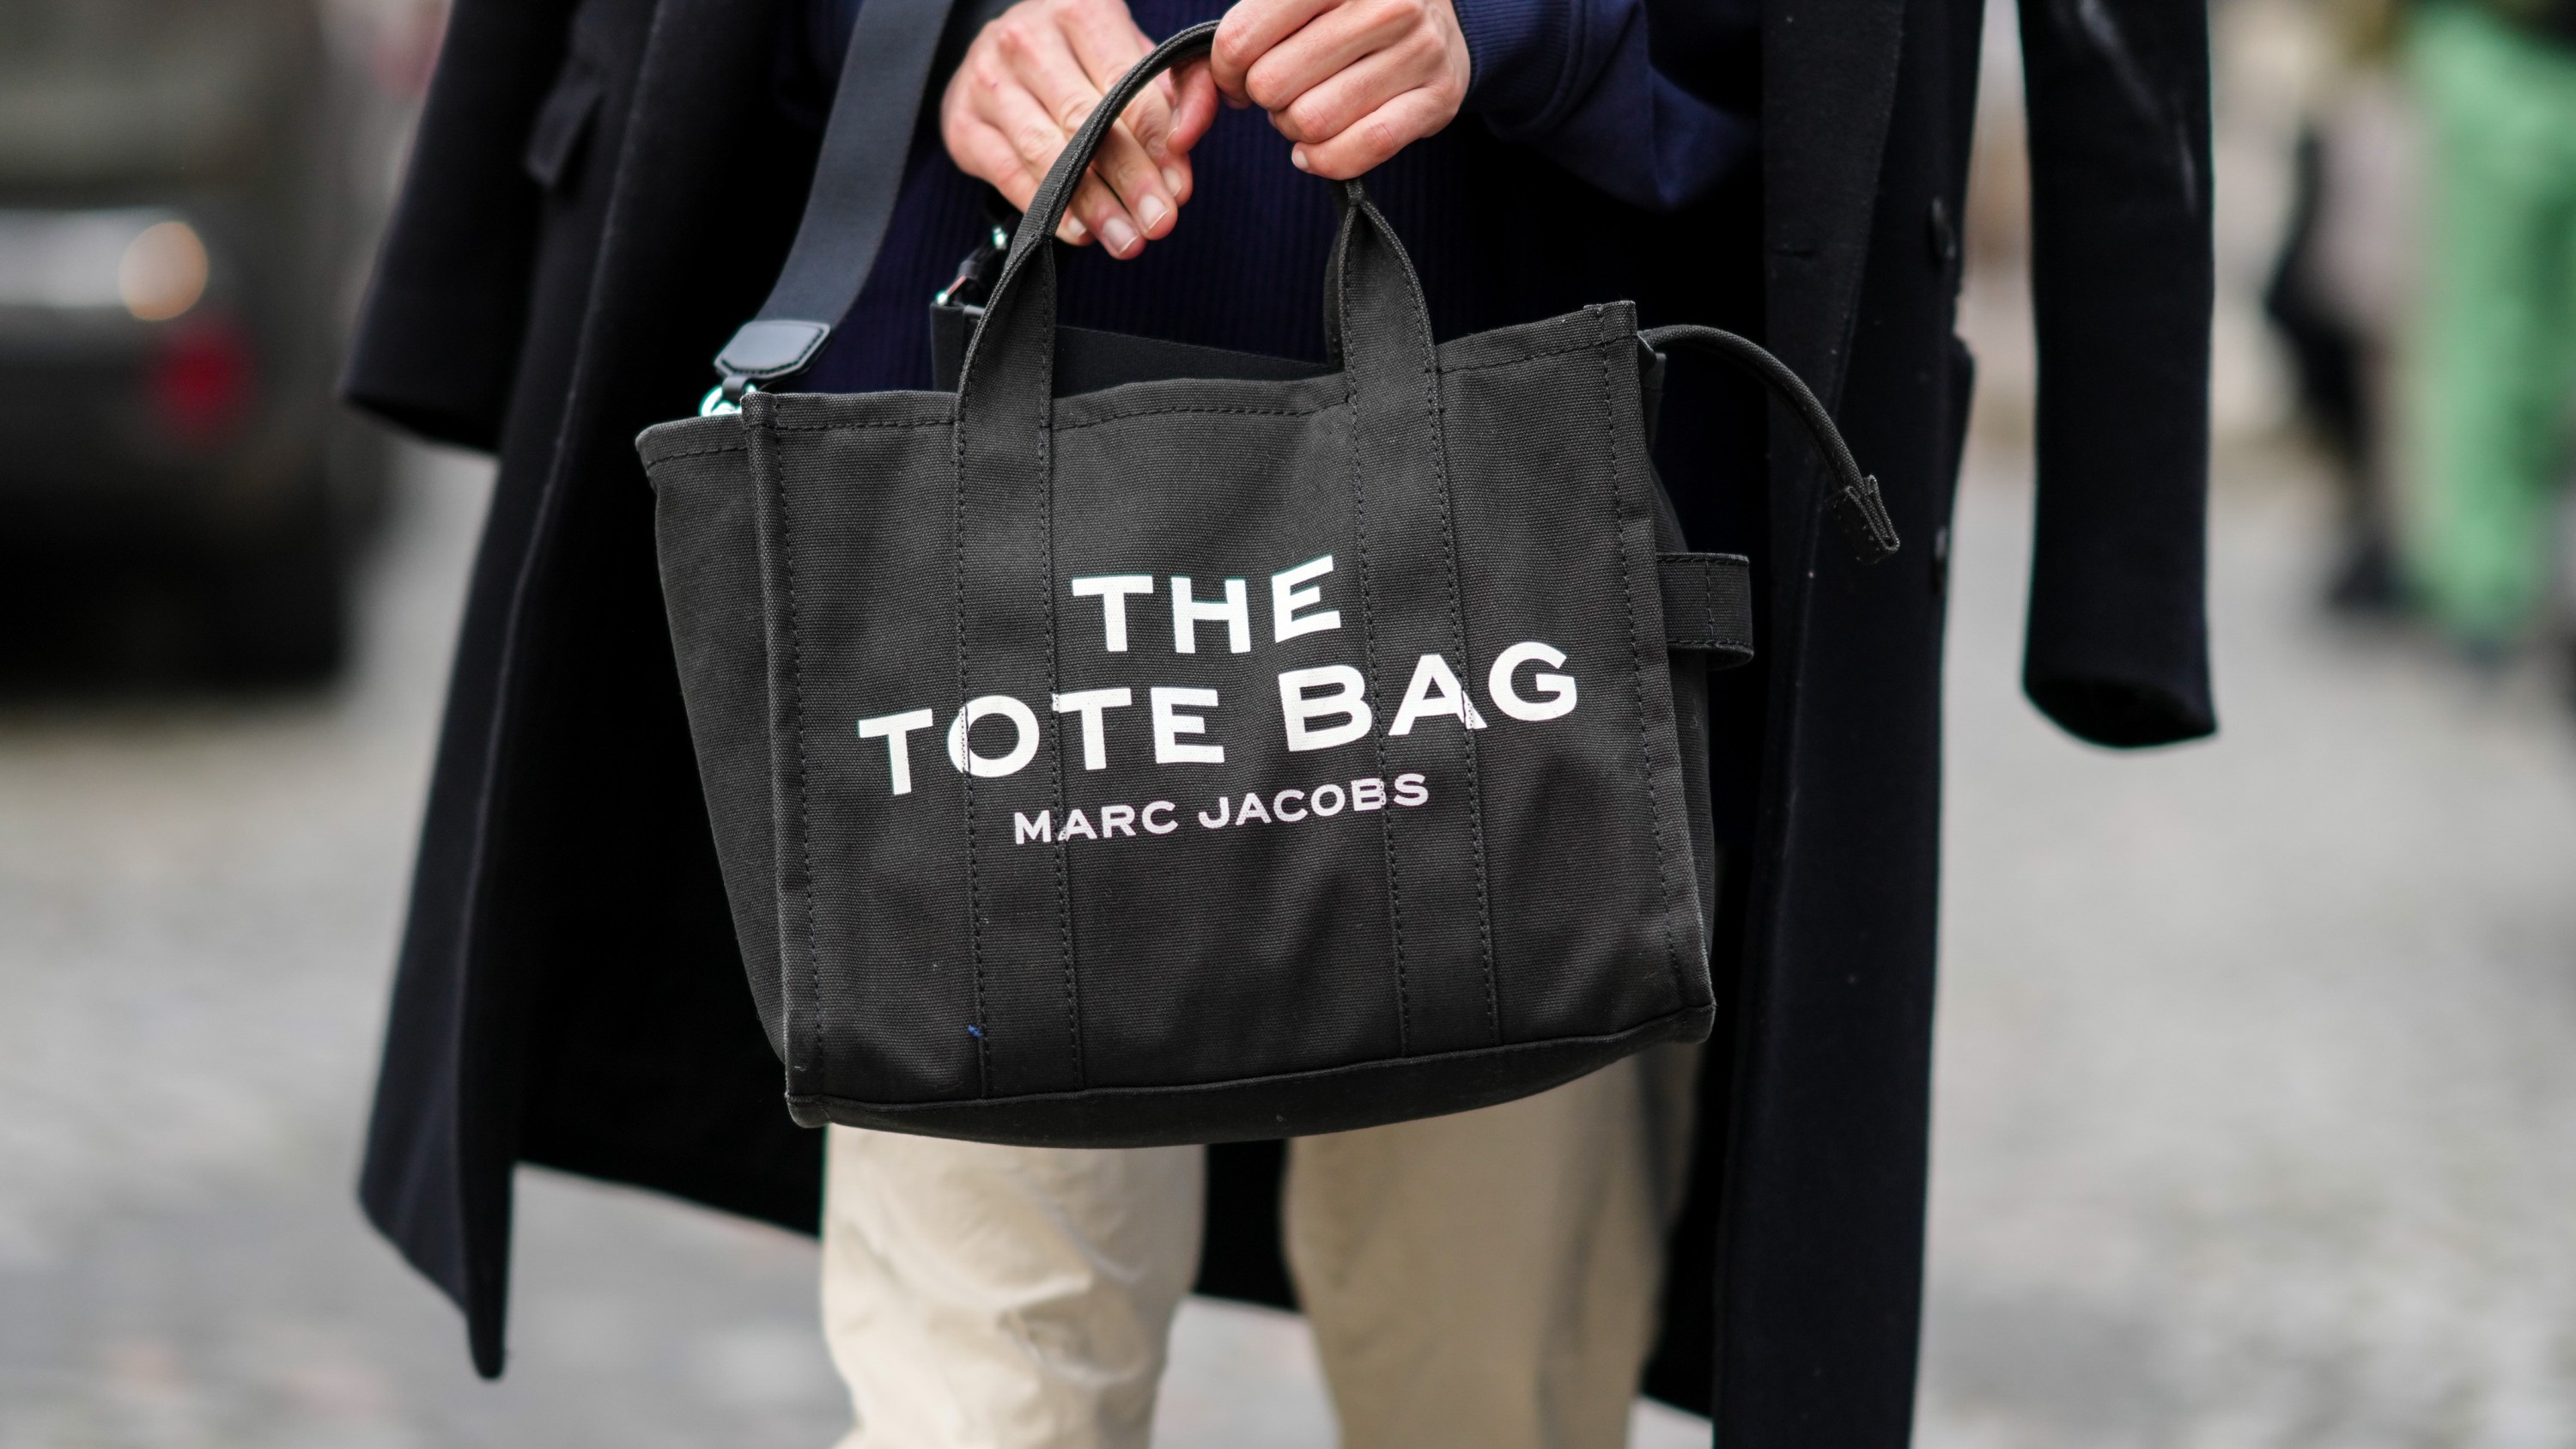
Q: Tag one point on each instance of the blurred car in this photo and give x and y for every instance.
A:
(178, 216)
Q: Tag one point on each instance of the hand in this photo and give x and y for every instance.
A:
(1025, 86)
(1352, 82)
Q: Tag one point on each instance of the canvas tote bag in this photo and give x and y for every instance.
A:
(1206, 757)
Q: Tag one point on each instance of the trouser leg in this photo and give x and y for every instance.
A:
(2495, 359)
(1488, 1280)
(984, 1297)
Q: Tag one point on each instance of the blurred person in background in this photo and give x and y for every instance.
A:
(2494, 373)
(2338, 288)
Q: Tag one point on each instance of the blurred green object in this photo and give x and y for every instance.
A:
(2495, 371)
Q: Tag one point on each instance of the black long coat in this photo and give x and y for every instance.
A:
(594, 204)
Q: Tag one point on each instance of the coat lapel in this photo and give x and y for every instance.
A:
(1829, 76)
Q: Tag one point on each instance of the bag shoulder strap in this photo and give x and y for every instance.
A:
(1856, 500)
(857, 178)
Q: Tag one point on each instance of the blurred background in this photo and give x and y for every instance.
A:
(2256, 1089)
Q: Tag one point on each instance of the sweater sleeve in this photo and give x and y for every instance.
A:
(1574, 80)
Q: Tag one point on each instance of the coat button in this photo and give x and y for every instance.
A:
(1944, 234)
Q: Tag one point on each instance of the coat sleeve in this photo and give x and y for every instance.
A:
(1575, 80)
(2118, 99)
(438, 340)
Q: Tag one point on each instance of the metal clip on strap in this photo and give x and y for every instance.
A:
(1855, 499)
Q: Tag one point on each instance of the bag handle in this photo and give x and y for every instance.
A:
(858, 176)
(1371, 290)
(1046, 208)
(1855, 499)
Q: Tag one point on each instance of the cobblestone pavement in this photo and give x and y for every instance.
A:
(2257, 1066)
(2255, 1107)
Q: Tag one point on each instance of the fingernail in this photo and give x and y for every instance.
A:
(1151, 211)
(1172, 179)
(1078, 230)
(1118, 234)
(1297, 158)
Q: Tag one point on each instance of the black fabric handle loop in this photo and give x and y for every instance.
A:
(1046, 208)
(1013, 299)
(857, 178)
(1006, 379)
(1856, 499)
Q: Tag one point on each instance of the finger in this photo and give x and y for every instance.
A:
(1034, 138)
(1338, 101)
(1032, 132)
(1135, 188)
(1100, 212)
(1334, 42)
(1368, 143)
(1136, 185)
(1247, 33)
(987, 155)
(1122, 196)
(1105, 41)
(1149, 121)
(1108, 43)
(1040, 56)
(1103, 35)
(1136, 204)
(1193, 111)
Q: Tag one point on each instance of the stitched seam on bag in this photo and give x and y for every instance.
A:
(1587, 346)
(859, 427)
(1458, 637)
(1661, 1022)
(1368, 638)
(1055, 741)
(1654, 1028)
(1336, 276)
(1212, 411)
(804, 772)
(966, 778)
(1691, 576)
(697, 453)
(1637, 671)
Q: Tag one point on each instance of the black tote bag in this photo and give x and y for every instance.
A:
(1203, 757)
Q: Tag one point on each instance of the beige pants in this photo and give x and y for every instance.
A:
(1486, 1279)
